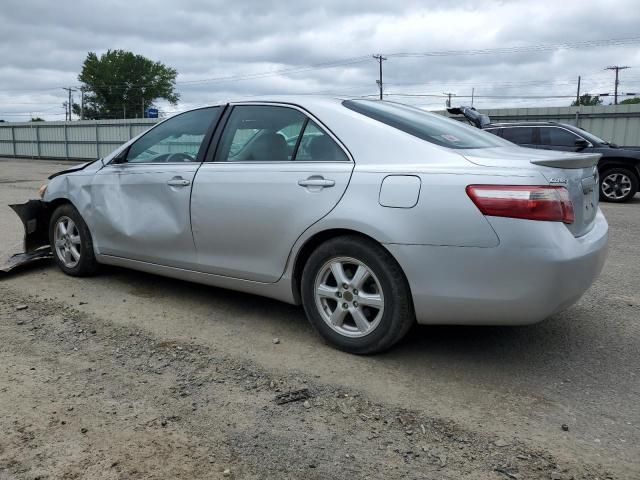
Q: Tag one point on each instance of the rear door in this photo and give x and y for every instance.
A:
(525, 136)
(275, 172)
(141, 200)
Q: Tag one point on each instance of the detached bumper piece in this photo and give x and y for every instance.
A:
(35, 218)
(21, 259)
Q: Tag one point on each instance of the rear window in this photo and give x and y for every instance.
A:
(424, 125)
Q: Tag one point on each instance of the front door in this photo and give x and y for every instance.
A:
(141, 200)
(275, 173)
(558, 138)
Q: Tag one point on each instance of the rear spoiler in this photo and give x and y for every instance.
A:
(583, 160)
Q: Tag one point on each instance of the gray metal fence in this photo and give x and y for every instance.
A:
(87, 139)
(615, 123)
(91, 139)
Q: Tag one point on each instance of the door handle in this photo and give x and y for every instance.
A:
(178, 182)
(316, 182)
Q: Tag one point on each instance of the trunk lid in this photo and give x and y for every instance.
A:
(577, 172)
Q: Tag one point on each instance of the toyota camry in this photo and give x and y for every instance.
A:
(371, 214)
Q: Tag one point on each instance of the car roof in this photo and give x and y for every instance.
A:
(527, 124)
(301, 100)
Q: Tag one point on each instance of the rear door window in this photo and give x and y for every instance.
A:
(519, 135)
(316, 146)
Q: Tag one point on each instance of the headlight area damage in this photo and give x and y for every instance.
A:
(35, 218)
(35, 215)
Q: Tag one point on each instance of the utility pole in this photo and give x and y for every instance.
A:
(66, 110)
(380, 59)
(578, 93)
(69, 90)
(473, 91)
(617, 70)
(449, 95)
(82, 90)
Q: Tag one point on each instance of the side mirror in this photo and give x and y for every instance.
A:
(581, 143)
(121, 158)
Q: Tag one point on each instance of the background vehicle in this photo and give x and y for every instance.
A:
(619, 167)
(380, 216)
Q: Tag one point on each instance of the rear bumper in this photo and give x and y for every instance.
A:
(538, 269)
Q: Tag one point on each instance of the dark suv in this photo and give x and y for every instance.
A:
(619, 167)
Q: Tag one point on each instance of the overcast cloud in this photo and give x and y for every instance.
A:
(44, 44)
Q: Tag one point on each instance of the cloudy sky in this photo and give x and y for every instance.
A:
(236, 49)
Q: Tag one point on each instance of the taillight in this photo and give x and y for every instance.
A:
(521, 201)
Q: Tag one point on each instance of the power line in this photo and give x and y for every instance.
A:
(526, 97)
(524, 48)
(365, 58)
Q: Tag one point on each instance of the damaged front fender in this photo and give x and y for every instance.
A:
(35, 215)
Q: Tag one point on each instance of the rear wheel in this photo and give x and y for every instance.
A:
(71, 242)
(618, 185)
(356, 295)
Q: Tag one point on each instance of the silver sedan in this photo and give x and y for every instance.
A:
(372, 215)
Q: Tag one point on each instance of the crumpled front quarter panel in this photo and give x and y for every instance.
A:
(76, 188)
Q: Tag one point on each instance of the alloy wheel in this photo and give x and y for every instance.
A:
(67, 242)
(616, 186)
(349, 297)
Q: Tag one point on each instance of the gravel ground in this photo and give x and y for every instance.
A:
(128, 375)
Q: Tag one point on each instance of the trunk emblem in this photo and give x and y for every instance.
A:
(558, 180)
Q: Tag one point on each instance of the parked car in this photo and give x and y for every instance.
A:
(619, 167)
(392, 215)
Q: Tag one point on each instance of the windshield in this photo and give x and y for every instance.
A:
(427, 126)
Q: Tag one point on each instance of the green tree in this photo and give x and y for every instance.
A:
(630, 101)
(121, 84)
(587, 100)
(37, 119)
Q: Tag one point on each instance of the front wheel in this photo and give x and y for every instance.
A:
(71, 242)
(356, 296)
(618, 185)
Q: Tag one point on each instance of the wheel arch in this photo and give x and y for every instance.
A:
(313, 242)
(56, 202)
(53, 204)
(616, 162)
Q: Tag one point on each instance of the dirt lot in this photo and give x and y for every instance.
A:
(127, 375)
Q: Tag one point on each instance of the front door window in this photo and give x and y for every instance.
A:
(176, 140)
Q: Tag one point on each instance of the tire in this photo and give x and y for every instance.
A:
(77, 241)
(618, 185)
(367, 265)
